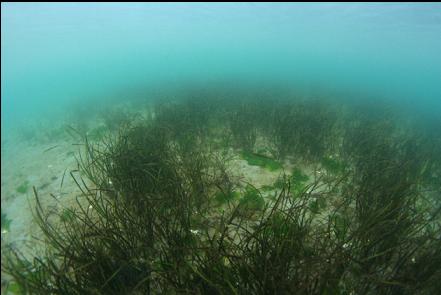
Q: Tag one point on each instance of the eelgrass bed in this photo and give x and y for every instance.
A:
(162, 212)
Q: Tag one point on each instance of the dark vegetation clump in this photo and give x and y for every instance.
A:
(6, 222)
(243, 124)
(161, 213)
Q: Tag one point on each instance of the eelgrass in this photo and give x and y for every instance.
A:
(149, 222)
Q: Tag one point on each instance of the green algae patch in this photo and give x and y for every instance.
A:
(298, 176)
(252, 200)
(13, 288)
(223, 198)
(6, 222)
(254, 159)
(23, 188)
(298, 180)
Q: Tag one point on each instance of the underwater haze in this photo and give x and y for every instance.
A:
(55, 54)
(221, 148)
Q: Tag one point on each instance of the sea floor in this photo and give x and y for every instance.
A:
(46, 166)
(31, 164)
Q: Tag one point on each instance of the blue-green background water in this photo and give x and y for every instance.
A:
(67, 71)
(56, 54)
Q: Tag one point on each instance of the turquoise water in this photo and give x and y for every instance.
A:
(307, 135)
(56, 54)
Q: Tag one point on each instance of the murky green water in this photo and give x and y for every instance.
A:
(228, 148)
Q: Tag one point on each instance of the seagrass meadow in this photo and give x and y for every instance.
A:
(226, 148)
(214, 193)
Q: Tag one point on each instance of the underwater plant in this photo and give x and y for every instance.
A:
(223, 198)
(298, 180)
(97, 133)
(67, 214)
(243, 126)
(332, 165)
(23, 187)
(6, 222)
(303, 129)
(251, 200)
(115, 116)
(254, 159)
(161, 212)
